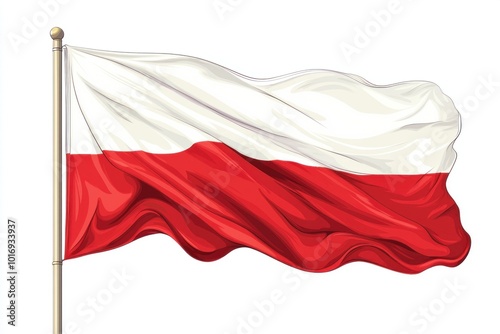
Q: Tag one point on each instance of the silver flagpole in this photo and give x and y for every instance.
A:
(57, 35)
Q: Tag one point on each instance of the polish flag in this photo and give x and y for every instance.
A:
(315, 169)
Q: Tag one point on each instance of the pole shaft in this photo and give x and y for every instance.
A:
(57, 35)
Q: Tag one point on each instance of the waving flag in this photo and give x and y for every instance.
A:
(315, 169)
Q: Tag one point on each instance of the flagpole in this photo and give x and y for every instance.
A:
(57, 35)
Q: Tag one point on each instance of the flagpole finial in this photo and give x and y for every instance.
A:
(56, 33)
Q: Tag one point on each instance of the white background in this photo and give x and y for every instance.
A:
(454, 44)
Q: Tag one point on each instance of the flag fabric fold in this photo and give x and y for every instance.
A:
(315, 169)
